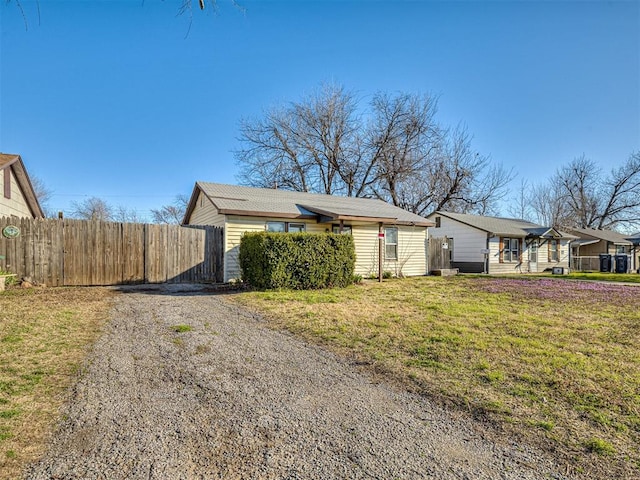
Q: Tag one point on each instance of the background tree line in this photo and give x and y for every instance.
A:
(581, 194)
(393, 148)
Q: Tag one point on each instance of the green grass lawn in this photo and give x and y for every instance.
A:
(556, 361)
(606, 277)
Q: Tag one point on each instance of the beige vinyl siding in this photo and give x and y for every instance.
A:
(411, 251)
(496, 267)
(411, 245)
(205, 213)
(16, 205)
(543, 258)
(507, 267)
(237, 225)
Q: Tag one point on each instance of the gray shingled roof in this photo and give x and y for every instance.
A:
(501, 226)
(606, 235)
(265, 202)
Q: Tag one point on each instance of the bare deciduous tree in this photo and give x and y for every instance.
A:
(581, 195)
(402, 136)
(622, 200)
(173, 213)
(92, 208)
(43, 194)
(186, 8)
(549, 208)
(460, 179)
(578, 183)
(394, 151)
(127, 215)
(304, 146)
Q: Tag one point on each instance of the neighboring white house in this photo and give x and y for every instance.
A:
(501, 245)
(244, 209)
(17, 198)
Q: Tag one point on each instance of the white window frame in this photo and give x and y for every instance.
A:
(346, 229)
(554, 252)
(510, 254)
(268, 226)
(393, 245)
(285, 227)
(533, 251)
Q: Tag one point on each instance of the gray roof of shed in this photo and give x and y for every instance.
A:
(501, 226)
(265, 202)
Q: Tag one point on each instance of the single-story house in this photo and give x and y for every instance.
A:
(244, 209)
(500, 245)
(18, 198)
(593, 242)
(586, 249)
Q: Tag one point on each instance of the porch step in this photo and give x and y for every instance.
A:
(445, 272)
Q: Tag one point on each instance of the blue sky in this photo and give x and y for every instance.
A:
(126, 101)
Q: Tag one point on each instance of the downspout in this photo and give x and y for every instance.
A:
(380, 250)
(486, 259)
(568, 255)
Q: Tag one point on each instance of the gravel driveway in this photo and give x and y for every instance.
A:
(232, 399)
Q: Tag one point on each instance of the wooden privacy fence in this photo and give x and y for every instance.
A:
(82, 252)
(440, 249)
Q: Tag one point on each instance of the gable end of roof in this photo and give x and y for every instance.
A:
(14, 162)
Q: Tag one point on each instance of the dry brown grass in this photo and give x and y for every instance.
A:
(44, 336)
(554, 361)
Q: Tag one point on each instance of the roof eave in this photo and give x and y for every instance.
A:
(444, 214)
(190, 206)
(23, 180)
(256, 213)
(362, 218)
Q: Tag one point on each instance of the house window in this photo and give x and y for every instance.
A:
(510, 249)
(281, 227)
(438, 220)
(533, 252)
(553, 251)
(7, 182)
(621, 250)
(346, 229)
(391, 243)
(296, 227)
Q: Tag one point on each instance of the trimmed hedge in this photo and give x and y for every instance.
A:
(297, 260)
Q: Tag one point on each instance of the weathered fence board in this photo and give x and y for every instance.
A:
(79, 252)
(133, 251)
(440, 249)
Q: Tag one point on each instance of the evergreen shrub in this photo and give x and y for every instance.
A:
(298, 261)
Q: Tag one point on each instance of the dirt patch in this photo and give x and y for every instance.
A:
(230, 398)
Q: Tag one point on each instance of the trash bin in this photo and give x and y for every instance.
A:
(605, 262)
(622, 263)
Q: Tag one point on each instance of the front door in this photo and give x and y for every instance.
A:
(533, 257)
